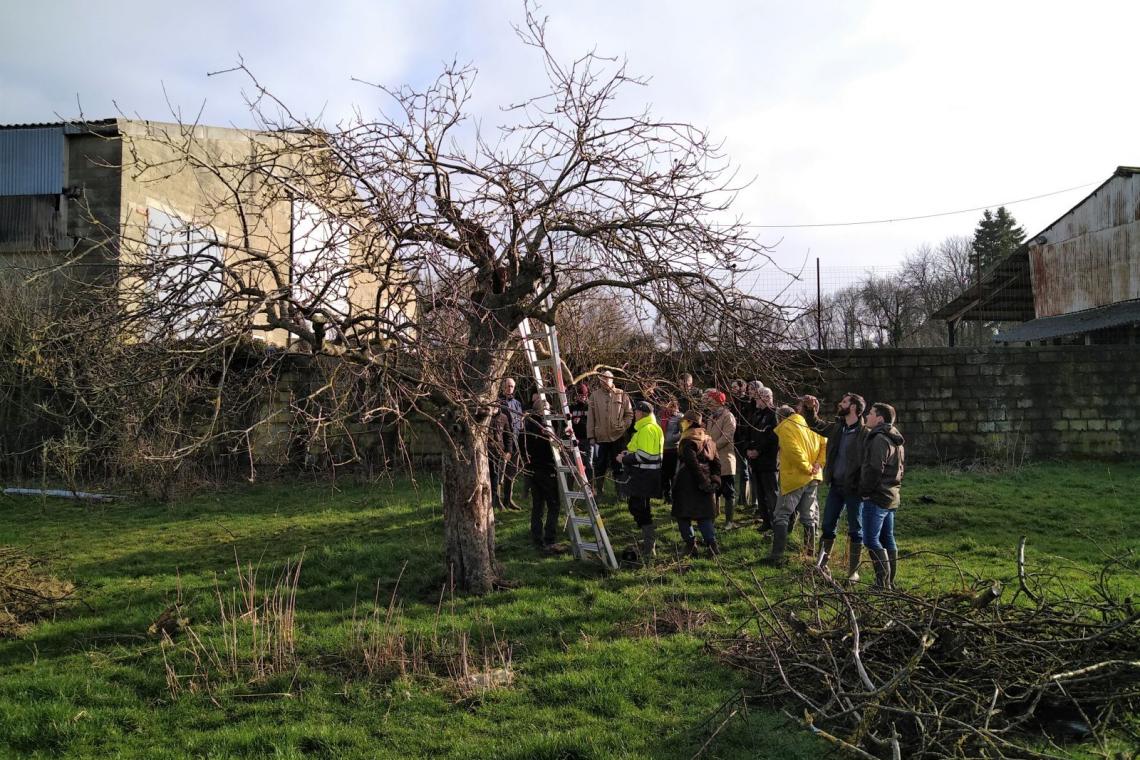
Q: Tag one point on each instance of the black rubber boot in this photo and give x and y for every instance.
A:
(714, 549)
(893, 565)
(809, 541)
(496, 497)
(882, 567)
(691, 548)
(648, 543)
(779, 543)
(856, 549)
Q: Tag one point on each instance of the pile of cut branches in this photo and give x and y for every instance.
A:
(967, 674)
(27, 591)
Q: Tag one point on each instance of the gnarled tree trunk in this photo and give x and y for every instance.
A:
(468, 517)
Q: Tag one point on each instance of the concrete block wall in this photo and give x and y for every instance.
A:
(95, 183)
(996, 403)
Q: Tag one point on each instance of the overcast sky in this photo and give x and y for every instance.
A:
(841, 111)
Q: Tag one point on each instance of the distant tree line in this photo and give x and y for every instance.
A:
(895, 310)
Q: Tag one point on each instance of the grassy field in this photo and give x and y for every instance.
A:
(587, 680)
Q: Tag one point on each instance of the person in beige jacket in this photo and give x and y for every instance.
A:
(607, 420)
(720, 424)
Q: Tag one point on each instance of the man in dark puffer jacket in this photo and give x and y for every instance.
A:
(884, 460)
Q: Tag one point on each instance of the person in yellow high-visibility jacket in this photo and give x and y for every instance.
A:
(803, 453)
(641, 462)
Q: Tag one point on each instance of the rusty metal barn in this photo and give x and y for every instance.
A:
(1076, 281)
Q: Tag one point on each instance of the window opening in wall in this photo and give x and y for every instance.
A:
(320, 260)
(183, 277)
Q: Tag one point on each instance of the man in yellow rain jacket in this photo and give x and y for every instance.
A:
(641, 463)
(803, 453)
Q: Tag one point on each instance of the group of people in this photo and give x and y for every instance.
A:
(699, 450)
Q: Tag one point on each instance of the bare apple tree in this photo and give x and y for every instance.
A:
(454, 234)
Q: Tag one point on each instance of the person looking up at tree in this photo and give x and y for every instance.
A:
(696, 485)
(506, 426)
(881, 474)
(671, 424)
(538, 455)
(641, 461)
(721, 427)
(579, 405)
(648, 390)
(802, 455)
(742, 406)
(607, 420)
(763, 451)
(845, 438)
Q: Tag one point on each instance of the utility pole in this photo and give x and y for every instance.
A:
(818, 309)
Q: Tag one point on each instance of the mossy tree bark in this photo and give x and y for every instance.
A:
(468, 517)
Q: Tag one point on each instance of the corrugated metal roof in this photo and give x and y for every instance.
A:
(69, 126)
(31, 161)
(1078, 323)
(1121, 171)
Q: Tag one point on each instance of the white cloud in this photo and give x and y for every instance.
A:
(841, 111)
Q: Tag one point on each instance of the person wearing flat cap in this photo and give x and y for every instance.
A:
(607, 419)
(641, 462)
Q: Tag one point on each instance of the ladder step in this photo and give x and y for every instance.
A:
(554, 417)
(547, 362)
(582, 522)
(588, 546)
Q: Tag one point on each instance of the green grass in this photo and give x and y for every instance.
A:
(92, 683)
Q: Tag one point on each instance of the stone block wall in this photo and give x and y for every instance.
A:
(994, 403)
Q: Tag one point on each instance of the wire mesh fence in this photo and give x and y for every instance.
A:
(907, 305)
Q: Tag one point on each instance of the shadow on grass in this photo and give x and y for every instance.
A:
(584, 688)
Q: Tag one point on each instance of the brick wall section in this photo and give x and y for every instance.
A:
(998, 403)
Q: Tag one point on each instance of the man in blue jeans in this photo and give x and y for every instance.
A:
(845, 437)
(884, 459)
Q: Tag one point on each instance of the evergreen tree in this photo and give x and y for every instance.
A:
(997, 236)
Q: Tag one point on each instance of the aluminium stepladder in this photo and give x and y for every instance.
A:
(574, 492)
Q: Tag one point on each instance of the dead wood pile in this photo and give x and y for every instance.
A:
(27, 591)
(905, 674)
